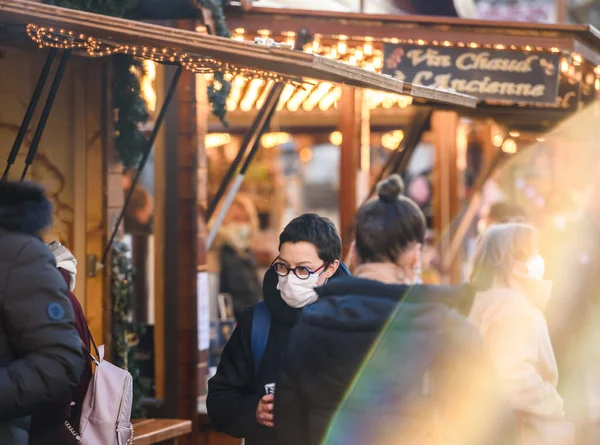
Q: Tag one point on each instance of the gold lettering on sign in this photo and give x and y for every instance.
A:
(482, 61)
(431, 57)
(422, 76)
(483, 86)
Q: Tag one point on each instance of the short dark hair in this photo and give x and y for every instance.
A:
(385, 226)
(318, 231)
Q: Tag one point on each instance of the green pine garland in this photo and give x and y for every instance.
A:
(126, 333)
(132, 110)
(219, 89)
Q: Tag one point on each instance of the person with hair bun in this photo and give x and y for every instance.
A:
(380, 359)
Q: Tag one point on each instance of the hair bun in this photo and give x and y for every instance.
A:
(390, 189)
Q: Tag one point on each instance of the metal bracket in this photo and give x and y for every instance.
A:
(33, 148)
(250, 141)
(35, 98)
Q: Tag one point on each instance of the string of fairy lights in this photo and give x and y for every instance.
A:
(250, 86)
(366, 52)
(64, 39)
(247, 95)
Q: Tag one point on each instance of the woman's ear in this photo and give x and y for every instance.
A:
(332, 269)
(417, 254)
(352, 262)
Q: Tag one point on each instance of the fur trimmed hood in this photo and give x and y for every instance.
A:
(24, 208)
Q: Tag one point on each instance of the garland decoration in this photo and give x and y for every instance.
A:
(126, 334)
(218, 90)
(132, 110)
(130, 107)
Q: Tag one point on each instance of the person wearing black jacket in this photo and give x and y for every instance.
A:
(41, 358)
(309, 252)
(380, 360)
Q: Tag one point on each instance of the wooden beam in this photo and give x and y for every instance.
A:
(446, 203)
(350, 127)
(160, 216)
(292, 65)
(563, 37)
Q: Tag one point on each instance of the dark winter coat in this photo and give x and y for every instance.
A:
(48, 424)
(234, 392)
(404, 388)
(40, 354)
(239, 279)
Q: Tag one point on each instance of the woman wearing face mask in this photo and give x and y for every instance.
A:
(379, 359)
(238, 274)
(508, 273)
(240, 399)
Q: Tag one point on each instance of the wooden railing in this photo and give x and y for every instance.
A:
(151, 431)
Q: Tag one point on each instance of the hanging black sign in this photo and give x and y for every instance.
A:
(508, 76)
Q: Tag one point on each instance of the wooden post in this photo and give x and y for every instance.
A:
(561, 11)
(364, 171)
(180, 253)
(202, 111)
(350, 120)
(114, 199)
(160, 216)
(446, 203)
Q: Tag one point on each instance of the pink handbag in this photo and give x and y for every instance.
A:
(106, 411)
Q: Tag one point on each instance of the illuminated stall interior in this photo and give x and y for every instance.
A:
(297, 169)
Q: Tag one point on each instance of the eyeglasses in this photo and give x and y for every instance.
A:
(301, 272)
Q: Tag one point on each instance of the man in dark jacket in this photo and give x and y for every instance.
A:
(346, 385)
(238, 403)
(40, 355)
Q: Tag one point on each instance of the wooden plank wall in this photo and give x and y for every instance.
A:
(97, 136)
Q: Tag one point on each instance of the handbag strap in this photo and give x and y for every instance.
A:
(87, 349)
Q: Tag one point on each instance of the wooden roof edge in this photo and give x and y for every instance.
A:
(286, 63)
(587, 32)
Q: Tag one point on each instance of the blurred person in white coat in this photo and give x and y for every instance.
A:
(508, 309)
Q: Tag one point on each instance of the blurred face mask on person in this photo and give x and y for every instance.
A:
(240, 234)
(300, 270)
(536, 268)
(237, 227)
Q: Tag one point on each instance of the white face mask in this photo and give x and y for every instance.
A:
(536, 268)
(240, 234)
(298, 293)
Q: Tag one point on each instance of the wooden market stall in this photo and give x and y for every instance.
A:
(181, 202)
(527, 77)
